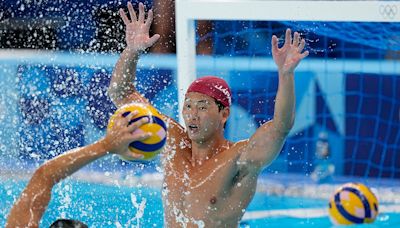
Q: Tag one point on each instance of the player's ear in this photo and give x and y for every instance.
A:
(225, 113)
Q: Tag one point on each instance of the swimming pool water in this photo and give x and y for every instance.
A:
(100, 205)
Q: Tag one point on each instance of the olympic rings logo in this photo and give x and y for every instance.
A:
(388, 11)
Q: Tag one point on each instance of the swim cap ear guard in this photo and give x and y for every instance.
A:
(68, 223)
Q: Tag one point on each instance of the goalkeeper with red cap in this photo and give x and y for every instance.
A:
(208, 180)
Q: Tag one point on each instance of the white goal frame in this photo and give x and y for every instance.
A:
(188, 11)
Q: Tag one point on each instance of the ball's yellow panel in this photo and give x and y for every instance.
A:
(153, 145)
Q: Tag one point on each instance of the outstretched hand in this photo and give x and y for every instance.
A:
(290, 54)
(137, 29)
(122, 134)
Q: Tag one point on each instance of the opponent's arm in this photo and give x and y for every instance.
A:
(29, 208)
(263, 147)
(122, 88)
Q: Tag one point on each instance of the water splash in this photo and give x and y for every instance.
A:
(139, 213)
(184, 220)
(64, 192)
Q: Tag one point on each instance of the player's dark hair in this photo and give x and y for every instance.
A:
(68, 223)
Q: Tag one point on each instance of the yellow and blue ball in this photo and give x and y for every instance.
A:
(153, 145)
(353, 203)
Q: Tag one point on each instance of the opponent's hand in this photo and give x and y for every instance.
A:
(137, 29)
(121, 134)
(289, 55)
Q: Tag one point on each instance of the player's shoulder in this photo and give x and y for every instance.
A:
(239, 146)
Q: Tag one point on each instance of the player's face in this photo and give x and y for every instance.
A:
(201, 116)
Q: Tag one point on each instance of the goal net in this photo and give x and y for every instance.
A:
(347, 90)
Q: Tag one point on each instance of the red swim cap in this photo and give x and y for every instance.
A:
(214, 87)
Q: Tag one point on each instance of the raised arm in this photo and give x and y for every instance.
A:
(267, 142)
(29, 208)
(122, 88)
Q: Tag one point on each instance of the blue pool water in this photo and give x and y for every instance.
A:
(101, 205)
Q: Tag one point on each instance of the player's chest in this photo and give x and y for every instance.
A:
(210, 179)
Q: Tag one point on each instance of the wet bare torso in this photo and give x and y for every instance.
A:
(212, 194)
